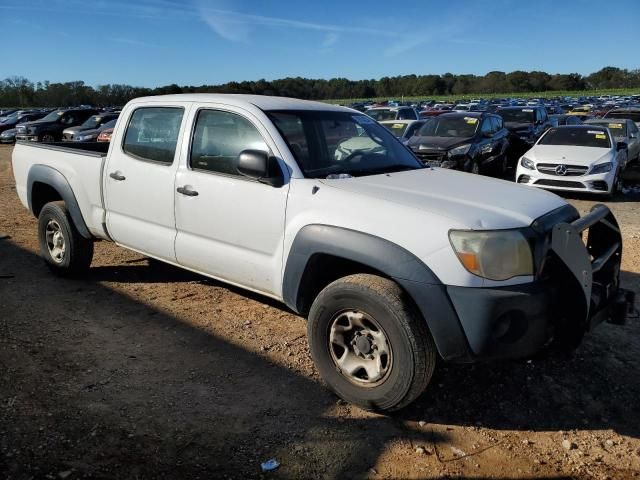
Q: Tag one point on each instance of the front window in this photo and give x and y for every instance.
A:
(576, 136)
(518, 115)
(327, 143)
(450, 127)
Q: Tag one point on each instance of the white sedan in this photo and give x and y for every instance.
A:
(577, 158)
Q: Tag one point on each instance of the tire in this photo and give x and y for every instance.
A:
(616, 187)
(47, 138)
(63, 249)
(382, 307)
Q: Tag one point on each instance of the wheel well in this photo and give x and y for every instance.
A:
(321, 270)
(41, 194)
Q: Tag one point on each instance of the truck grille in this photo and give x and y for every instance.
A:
(571, 170)
(560, 183)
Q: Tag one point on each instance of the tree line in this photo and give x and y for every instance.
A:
(20, 92)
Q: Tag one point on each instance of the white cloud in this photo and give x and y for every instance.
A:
(330, 39)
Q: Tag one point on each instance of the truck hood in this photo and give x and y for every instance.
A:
(472, 201)
(571, 155)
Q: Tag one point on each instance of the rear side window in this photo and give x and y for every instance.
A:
(218, 139)
(487, 127)
(152, 134)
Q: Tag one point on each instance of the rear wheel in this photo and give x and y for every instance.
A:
(47, 138)
(63, 249)
(369, 343)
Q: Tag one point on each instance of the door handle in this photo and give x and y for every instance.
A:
(117, 176)
(186, 190)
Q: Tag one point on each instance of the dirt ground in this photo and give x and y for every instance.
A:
(146, 371)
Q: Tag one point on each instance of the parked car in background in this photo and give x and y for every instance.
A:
(14, 119)
(632, 113)
(8, 136)
(583, 158)
(50, 128)
(564, 119)
(105, 135)
(94, 122)
(525, 125)
(475, 142)
(5, 113)
(392, 113)
(623, 130)
(403, 129)
(93, 134)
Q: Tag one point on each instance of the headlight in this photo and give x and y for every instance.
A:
(495, 255)
(461, 150)
(601, 168)
(526, 163)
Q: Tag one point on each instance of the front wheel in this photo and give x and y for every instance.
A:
(63, 249)
(369, 343)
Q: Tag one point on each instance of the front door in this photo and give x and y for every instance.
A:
(229, 226)
(139, 179)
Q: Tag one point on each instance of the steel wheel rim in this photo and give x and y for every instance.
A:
(359, 348)
(56, 243)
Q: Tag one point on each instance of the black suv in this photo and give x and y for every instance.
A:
(471, 141)
(526, 125)
(49, 128)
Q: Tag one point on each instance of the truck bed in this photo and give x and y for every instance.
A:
(81, 164)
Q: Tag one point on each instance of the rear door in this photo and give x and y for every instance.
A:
(229, 226)
(139, 178)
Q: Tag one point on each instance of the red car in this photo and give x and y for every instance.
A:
(434, 112)
(105, 135)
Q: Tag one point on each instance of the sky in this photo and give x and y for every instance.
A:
(194, 42)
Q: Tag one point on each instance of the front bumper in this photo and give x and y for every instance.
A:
(576, 288)
(27, 138)
(597, 184)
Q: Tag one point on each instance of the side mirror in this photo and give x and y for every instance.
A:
(621, 146)
(260, 166)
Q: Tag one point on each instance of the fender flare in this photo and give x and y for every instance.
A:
(416, 278)
(56, 180)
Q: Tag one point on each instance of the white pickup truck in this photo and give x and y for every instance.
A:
(395, 264)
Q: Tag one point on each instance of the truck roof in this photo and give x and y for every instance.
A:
(263, 102)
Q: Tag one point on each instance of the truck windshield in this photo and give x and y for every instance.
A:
(576, 136)
(326, 143)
